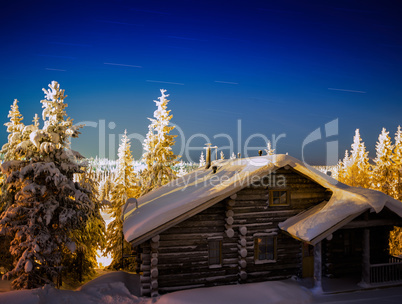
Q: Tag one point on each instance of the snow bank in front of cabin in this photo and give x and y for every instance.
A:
(272, 292)
(106, 291)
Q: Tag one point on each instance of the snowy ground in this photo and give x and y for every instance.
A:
(120, 287)
(112, 288)
(391, 295)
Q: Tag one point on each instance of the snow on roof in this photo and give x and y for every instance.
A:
(345, 204)
(186, 196)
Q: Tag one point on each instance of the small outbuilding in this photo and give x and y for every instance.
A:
(257, 219)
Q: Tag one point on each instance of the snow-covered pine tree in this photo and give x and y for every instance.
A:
(395, 236)
(124, 186)
(343, 168)
(182, 169)
(15, 128)
(233, 156)
(397, 158)
(47, 205)
(382, 176)
(222, 155)
(269, 149)
(158, 157)
(357, 170)
(202, 160)
(105, 187)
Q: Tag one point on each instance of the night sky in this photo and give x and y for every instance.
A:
(280, 67)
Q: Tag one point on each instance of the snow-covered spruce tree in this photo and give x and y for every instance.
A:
(202, 160)
(123, 187)
(397, 158)
(14, 128)
(47, 205)
(181, 169)
(158, 157)
(222, 155)
(382, 176)
(395, 237)
(343, 168)
(357, 169)
(105, 188)
(269, 149)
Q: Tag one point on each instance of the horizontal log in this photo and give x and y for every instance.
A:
(192, 280)
(298, 195)
(198, 229)
(253, 191)
(248, 197)
(174, 266)
(219, 215)
(178, 287)
(189, 274)
(154, 245)
(145, 279)
(146, 273)
(187, 236)
(177, 248)
(145, 256)
(257, 226)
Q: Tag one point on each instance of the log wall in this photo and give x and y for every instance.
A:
(252, 210)
(182, 252)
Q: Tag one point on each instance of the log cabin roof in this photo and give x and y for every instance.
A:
(184, 197)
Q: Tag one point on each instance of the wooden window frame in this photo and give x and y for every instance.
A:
(271, 197)
(219, 241)
(257, 248)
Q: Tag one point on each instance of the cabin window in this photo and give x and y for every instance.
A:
(279, 197)
(215, 252)
(265, 248)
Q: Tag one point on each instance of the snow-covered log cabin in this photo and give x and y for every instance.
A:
(256, 219)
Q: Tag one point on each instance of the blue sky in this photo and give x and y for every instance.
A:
(281, 67)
